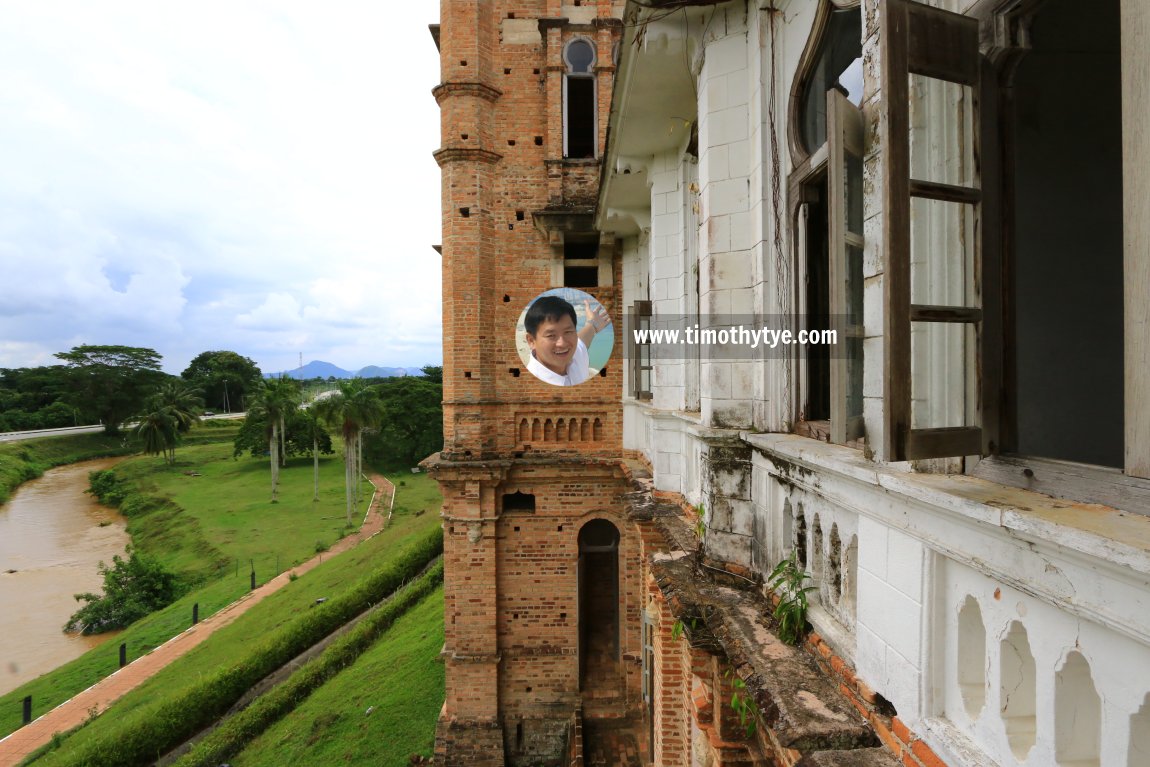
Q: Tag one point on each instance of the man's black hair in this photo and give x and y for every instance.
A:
(551, 308)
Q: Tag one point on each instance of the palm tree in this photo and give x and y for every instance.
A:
(315, 431)
(169, 412)
(275, 398)
(158, 432)
(354, 408)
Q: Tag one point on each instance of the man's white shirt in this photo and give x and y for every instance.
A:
(577, 372)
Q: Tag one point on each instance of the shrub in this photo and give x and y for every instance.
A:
(107, 487)
(133, 588)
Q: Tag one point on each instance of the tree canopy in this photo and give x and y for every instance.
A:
(412, 424)
(226, 379)
(108, 383)
(33, 398)
(253, 434)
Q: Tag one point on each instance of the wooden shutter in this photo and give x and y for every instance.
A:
(844, 184)
(938, 50)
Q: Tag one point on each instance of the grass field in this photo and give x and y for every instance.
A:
(221, 516)
(401, 680)
(416, 513)
(220, 524)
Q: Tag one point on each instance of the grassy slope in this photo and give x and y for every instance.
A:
(227, 520)
(400, 678)
(278, 610)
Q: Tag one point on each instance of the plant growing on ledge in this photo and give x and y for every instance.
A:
(701, 521)
(742, 703)
(787, 581)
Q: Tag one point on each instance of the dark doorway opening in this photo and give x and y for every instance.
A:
(599, 667)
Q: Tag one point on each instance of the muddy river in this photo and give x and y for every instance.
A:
(52, 535)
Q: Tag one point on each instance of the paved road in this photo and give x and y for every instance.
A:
(16, 436)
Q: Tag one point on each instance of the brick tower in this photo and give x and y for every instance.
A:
(542, 581)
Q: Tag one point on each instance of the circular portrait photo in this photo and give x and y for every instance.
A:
(564, 337)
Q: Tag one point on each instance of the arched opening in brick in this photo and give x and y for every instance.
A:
(600, 670)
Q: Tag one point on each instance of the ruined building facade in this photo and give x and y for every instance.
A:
(961, 190)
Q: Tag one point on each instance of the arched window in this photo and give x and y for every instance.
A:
(838, 64)
(579, 134)
(827, 214)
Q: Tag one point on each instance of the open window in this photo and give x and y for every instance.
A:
(581, 261)
(1003, 242)
(827, 218)
(931, 210)
(579, 100)
(640, 351)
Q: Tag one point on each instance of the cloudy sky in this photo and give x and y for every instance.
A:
(240, 174)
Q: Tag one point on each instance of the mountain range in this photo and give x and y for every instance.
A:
(321, 369)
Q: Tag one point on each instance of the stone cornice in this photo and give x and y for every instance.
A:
(482, 90)
(452, 154)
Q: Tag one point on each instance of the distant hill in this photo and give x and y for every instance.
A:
(321, 369)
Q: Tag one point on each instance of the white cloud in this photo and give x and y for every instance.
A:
(254, 176)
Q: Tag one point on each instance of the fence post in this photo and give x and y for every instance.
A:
(27, 709)
(123, 654)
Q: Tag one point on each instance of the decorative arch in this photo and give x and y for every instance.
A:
(808, 62)
(580, 100)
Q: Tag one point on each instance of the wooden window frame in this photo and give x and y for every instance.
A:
(640, 357)
(938, 44)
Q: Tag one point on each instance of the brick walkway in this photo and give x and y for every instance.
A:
(73, 712)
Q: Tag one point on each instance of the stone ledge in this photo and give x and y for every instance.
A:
(800, 705)
(855, 757)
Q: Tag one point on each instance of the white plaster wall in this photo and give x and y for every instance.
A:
(1116, 665)
(725, 176)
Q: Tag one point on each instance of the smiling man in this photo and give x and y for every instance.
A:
(559, 351)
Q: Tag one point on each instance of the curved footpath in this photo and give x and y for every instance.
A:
(108, 690)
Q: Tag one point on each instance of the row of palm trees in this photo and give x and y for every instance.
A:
(354, 408)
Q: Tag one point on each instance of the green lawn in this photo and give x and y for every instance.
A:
(221, 516)
(416, 513)
(219, 524)
(400, 679)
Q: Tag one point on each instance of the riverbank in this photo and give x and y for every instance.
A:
(23, 461)
(213, 523)
(286, 622)
(52, 538)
